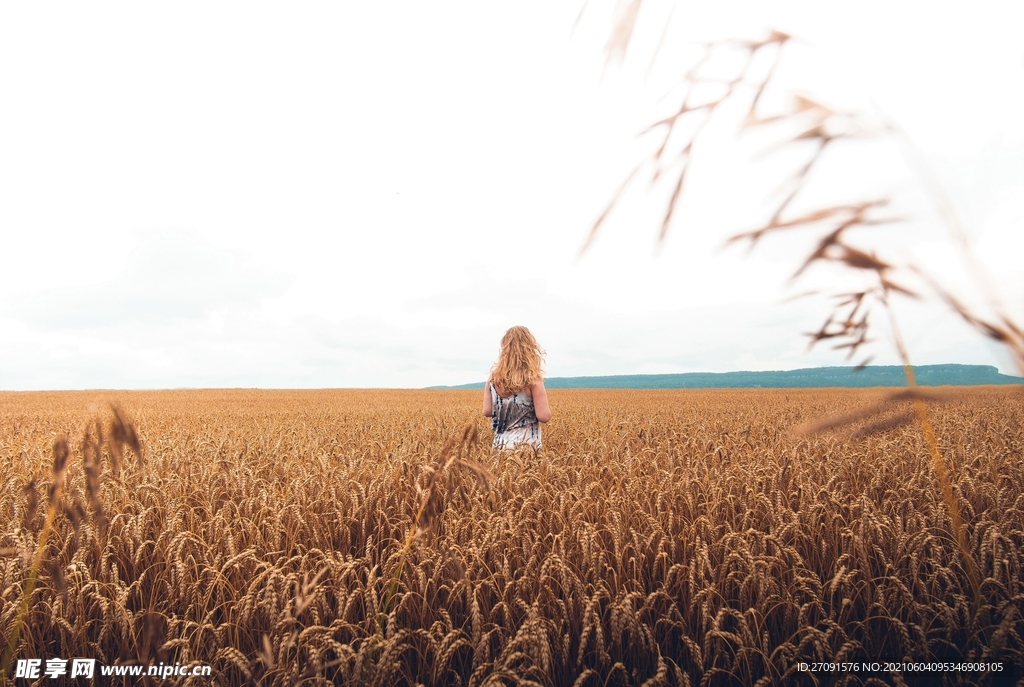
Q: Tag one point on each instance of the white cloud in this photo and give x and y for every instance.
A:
(338, 195)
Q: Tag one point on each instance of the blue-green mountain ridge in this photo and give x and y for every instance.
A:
(873, 375)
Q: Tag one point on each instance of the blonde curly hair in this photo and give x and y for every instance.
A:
(520, 362)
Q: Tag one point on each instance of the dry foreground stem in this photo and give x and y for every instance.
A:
(661, 537)
(808, 130)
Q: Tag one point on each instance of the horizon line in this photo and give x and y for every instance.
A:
(456, 386)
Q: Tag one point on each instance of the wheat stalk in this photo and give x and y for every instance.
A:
(60, 458)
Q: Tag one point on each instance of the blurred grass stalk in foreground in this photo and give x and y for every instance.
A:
(809, 123)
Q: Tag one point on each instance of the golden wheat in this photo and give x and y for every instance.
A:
(661, 537)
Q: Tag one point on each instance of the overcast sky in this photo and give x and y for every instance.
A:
(352, 195)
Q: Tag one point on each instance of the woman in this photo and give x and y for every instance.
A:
(514, 396)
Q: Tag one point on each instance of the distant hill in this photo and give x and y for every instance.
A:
(876, 375)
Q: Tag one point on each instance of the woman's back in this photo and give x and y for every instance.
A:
(514, 419)
(514, 396)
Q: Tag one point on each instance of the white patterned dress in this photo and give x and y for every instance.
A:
(514, 420)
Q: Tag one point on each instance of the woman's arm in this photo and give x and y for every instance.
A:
(540, 400)
(488, 404)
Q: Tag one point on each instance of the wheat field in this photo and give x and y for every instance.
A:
(676, 537)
